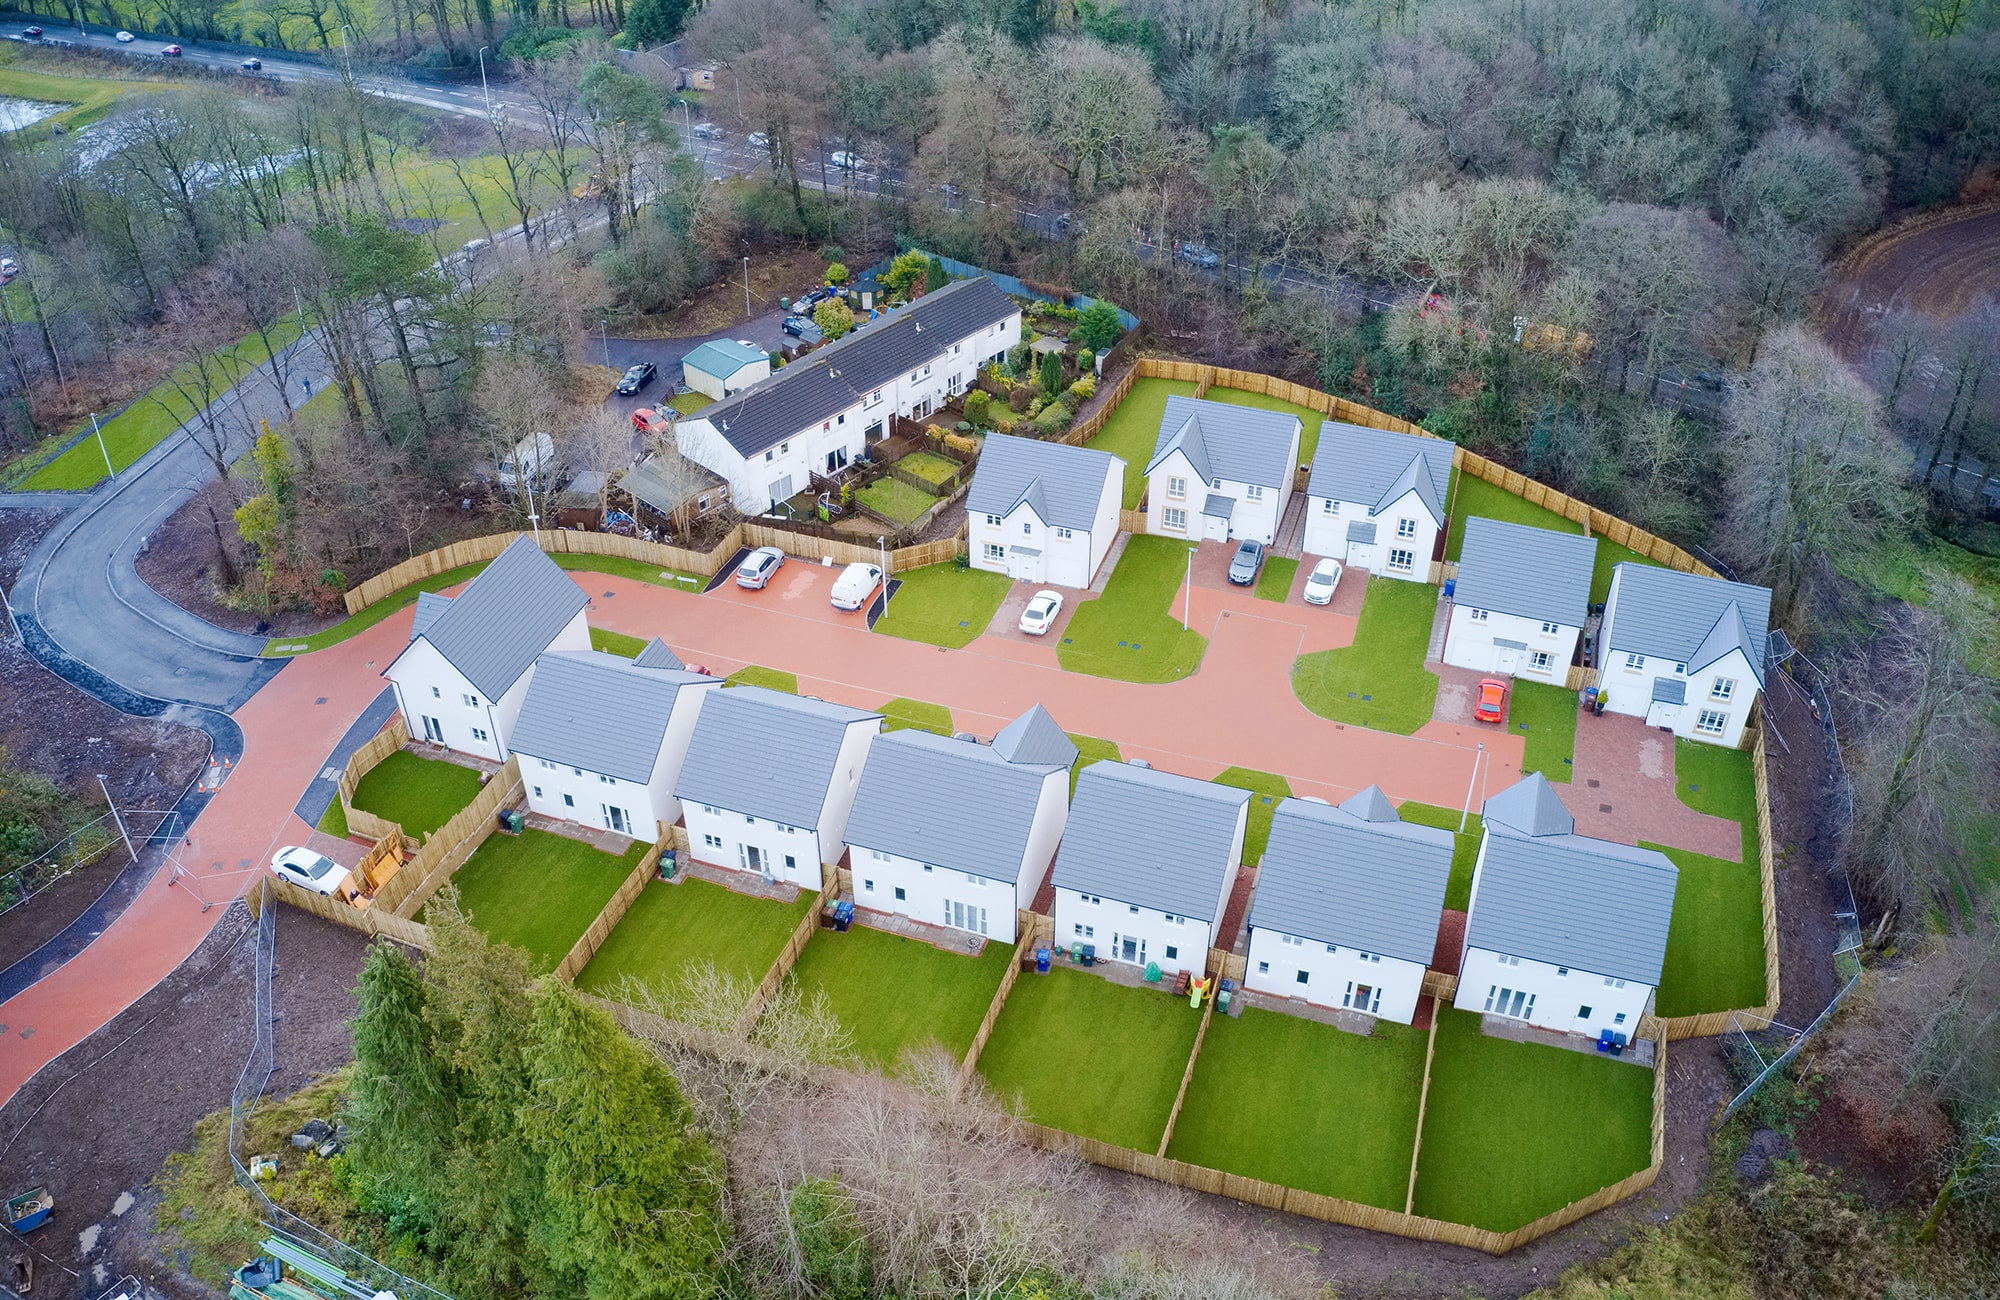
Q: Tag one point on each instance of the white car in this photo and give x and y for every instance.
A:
(1322, 582)
(856, 583)
(707, 131)
(848, 162)
(758, 140)
(125, 38)
(1040, 615)
(759, 567)
(310, 870)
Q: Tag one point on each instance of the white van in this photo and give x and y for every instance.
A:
(534, 455)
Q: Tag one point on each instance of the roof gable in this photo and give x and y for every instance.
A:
(1569, 900)
(1530, 806)
(1365, 466)
(1150, 838)
(563, 717)
(1242, 444)
(993, 804)
(1063, 485)
(1371, 883)
(1035, 738)
(658, 654)
(1689, 618)
(493, 631)
(1532, 573)
(766, 754)
(429, 605)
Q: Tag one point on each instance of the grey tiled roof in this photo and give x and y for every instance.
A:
(1686, 617)
(991, 804)
(666, 492)
(493, 630)
(1063, 484)
(1332, 876)
(1374, 467)
(429, 605)
(1573, 901)
(1241, 443)
(837, 376)
(1034, 737)
(1529, 806)
(658, 654)
(599, 712)
(1149, 838)
(1218, 506)
(766, 754)
(1527, 572)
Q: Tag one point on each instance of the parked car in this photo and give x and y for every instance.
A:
(1040, 615)
(758, 140)
(311, 870)
(811, 298)
(647, 420)
(252, 65)
(707, 131)
(534, 460)
(1491, 705)
(125, 38)
(1322, 582)
(9, 268)
(171, 52)
(637, 378)
(848, 162)
(33, 33)
(1248, 562)
(795, 326)
(856, 583)
(1199, 255)
(759, 567)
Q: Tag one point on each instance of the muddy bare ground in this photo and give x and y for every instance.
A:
(49, 726)
(102, 1118)
(179, 562)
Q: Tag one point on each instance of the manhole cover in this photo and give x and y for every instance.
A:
(1604, 807)
(1592, 783)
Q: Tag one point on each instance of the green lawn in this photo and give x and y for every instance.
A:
(1380, 680)
(334, 820)
(616, 643)
(620, 567)
(1545, 716)
(1091, 1057)
(1720, 782)
(1464, 848)
(943, 604)
(929, 466)
(88, 98)
(539, 890)
(1309, 419)
(1089, 749)
(689, 402)
(1610, 553)
(152, 416)
(1268, 789)
(1513, 1131)
(418, 794)
(1135, 426)
(895, 499)
(1131, 633)
(1478, 497)
(1275, 582)
(1715, 946)
(770, 678)
(899, 714)
(1302, 1104)
(894, 993)
(673, 926)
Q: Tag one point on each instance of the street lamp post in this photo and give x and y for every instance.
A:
(485, 93)
(1478, 757)
(746, 288)
(1187, 605)
(882, 549)
(101, 447)
(604, 337)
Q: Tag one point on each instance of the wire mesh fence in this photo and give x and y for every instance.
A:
(366, 1276)
(83, 846)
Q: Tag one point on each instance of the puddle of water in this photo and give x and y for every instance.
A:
(17, 113)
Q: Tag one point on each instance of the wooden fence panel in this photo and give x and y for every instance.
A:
(1132, 521)
(446, 850)
(480, 550)
(368, 920)
(592, 939)
(393, 736)
(1023, 952)
(1187, 1075)
(1442, 985)
(768, 988)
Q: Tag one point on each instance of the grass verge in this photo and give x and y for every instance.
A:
(1464, 848)
(1267, 788)
(1129, 633)
(673, 926)
(1275, 582)
(894, 993)
(1089, 749)
(334, 820)
(1379, 681)
(900, 714)
(616, 643)
(770, 678)
(419, 794)
(1545, 716)
(540, 891)
(942, 604)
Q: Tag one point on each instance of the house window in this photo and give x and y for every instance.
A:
(1174, 519)
(1369, 956)
(769, 456)
(1064, 534)
(478, 735)
(1304, 977)
(873, 399)
(538, 792)
(711, 810)
(569, 801)
(1027, 528)
(1333, 947)
(1510, 961)
(993, 521)
(1087, 931)
(1134, 907)
(1612, 983)
(1550, 629)
(1263, 968)
(472, 701)
(1618, 1019)
(749, 819)
(1328, 506)
(1176, 487)
(608, 780)
(1406, 528)
(1090, 898)
(1477, 615)
(784, 448)
(1173, 953)
(1254, 492)
(711, 841)
(1540, 661)
(878, 855)
(1711, 722)
(577, 771)
(1634, 663)
(436, 694)
(1401, 559)
(1291, 940)
(867, 886)
(1723, 688)
(1583, 1013)
(899, 893)
(1562, 970)
(995, 551)
(545, 763)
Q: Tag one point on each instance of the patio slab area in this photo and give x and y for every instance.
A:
(1622, 789)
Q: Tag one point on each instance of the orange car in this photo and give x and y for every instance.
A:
(648, 420)
(1492, 702)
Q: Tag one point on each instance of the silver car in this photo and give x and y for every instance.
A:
(759, 567)
(1249, 560)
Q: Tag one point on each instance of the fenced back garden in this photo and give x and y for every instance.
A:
(895, 994)
(417, 793)
(674, 926)
(540, 891)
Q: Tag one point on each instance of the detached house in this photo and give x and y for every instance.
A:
(1520, 599)
(769, 781)
(1042, 512)
(601, 738)
(975, 867)
(818, 415)
(461, 680)
(1147, 863)
(1683, 651)
(1347, 906)
(1221, 472)
(1377, 499)
(1564, 931)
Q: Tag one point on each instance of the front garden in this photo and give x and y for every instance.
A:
(1130, 633)
(943, 605)
(1380, 681)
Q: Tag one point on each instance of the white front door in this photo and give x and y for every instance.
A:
(1506, 659)
(1361, 555)
(1662, 714)
(1214, 529)
(1022, 565)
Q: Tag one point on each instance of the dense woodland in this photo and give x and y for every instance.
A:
(1590, 241)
